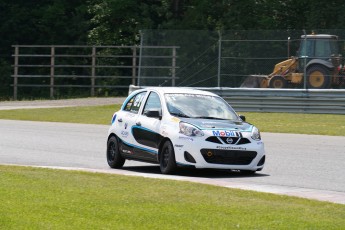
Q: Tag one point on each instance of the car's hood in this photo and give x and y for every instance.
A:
(218, 124)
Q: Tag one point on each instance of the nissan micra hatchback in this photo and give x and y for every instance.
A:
(183, 127)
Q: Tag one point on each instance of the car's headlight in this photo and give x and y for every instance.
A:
(256, 134)
(190, 130)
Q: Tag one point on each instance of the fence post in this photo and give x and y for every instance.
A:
(219, 57)
(305, 61)
(140, 55)
(52, 71)
(134, 64)
(93, 71)
(16, 62)
(173, 70)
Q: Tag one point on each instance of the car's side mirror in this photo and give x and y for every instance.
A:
(242, 117)
(153, 114)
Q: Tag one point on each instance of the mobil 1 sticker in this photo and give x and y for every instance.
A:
(225, 133)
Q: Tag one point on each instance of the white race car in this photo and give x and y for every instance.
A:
(184, 127)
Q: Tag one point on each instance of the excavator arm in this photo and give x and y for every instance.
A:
(285, 67)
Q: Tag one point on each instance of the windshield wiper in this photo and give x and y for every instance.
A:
(180, 115)
(206, 117)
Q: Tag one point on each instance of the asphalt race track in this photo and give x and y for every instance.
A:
(309, 166)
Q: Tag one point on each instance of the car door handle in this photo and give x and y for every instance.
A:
(138, 123)
(120, 119)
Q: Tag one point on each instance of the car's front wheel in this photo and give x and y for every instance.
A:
(114, 158)
(167, 160)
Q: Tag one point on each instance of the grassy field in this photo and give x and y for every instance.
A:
(321, 124)
(33, 198)
(83, 114)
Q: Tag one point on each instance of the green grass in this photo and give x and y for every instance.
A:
(33, 198)
(321, 124)
(82, 114)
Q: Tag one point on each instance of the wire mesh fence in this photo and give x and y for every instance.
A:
(225, 58)
(183, 58)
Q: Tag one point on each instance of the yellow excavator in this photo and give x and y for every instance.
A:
(318, 59)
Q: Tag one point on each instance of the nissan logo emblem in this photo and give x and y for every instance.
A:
(229, 140)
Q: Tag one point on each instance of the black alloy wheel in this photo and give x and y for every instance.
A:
(167, 160)
(114, 158)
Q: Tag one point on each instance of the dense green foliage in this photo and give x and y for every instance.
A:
(118, 22)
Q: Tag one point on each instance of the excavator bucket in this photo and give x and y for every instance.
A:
(262, 81)
(255, 81)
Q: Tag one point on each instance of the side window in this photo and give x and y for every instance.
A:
(153, 102)
(322, 49)
(134, 103)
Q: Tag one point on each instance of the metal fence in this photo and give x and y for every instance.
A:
(164, 57)
(227, 58)
(319, 101)
(90, 67)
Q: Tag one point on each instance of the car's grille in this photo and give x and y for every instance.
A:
(233, 157)
(228, 140)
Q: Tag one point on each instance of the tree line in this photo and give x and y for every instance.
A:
(118, 22)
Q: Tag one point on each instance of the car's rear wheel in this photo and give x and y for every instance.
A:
(167, 160)
(114, 158)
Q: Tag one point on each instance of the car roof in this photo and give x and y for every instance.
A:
(186, 90)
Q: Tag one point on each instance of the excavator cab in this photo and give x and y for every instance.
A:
(317, 65)
(320, 46)
(319, 59)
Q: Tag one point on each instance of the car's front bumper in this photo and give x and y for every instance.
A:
(204, 154)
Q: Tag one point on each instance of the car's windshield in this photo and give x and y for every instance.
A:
(199, 106)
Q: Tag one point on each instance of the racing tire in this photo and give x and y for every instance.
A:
(318, 77)
(114, 158)
(278, 82)
(167, 162)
